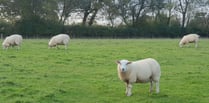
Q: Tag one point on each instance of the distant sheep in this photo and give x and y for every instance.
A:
(60, 39)
(142, 71)
(190, 38)
(12, 40)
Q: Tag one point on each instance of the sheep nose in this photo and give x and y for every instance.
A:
(123, 69)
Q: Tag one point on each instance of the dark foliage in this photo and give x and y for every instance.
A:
(43, 29)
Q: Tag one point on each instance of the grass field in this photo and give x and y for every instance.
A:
(86, 72)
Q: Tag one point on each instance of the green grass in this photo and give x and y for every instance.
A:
(86, 72)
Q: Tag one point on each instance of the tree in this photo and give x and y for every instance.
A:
(66, 8)
(137, 9)
(184, 7)
(30, 16)
(156, 7)
(9, 11)
(169, 6)
(123, 10)
(26, 9)
(90, 7)
(111, 11)
(134, 11)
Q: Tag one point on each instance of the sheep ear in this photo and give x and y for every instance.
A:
(117, 62)
(129, 63)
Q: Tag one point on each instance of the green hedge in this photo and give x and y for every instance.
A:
(41, 28)
(155, 31)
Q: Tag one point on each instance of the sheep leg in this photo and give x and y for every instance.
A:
(5, 47)
(57, 47)
(157, 87)
(196, 45)
(128, 89)
(18, 47)
(151, 87)
(65, 46)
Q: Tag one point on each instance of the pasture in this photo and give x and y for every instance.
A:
(86, 72)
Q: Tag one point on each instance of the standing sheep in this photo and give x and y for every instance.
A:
(190, 38)
(60, 39)
(142, 71)
(12, 40)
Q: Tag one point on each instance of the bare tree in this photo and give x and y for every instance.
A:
(156, 6)
(134, 11)
(131, 11)
(184, 7)
(67, 7)
(111, 11)
(170, 5)
(90, 7)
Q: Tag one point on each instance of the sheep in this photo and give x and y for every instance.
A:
(141, 71)
(12, 40)
(60, 39)
(189, 38)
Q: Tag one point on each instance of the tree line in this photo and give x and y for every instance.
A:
(125, 18)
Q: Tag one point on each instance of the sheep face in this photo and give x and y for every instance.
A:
(123, 65)
(51, 45)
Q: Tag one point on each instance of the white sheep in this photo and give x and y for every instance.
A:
(12, 40)
(60, 39)
(141, 71)
(189, 38)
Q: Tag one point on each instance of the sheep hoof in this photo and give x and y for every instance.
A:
(128, 94)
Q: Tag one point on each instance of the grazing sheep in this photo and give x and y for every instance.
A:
(190, 38)
(142, 71)
(12, 40)
(60, 39)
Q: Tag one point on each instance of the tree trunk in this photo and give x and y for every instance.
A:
(86, 14)
(138, 17)
(93, 17)
(183, 22)
(169, 18)
(62, 17)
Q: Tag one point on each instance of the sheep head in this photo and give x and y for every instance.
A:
(5, 45)
(122, 65)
